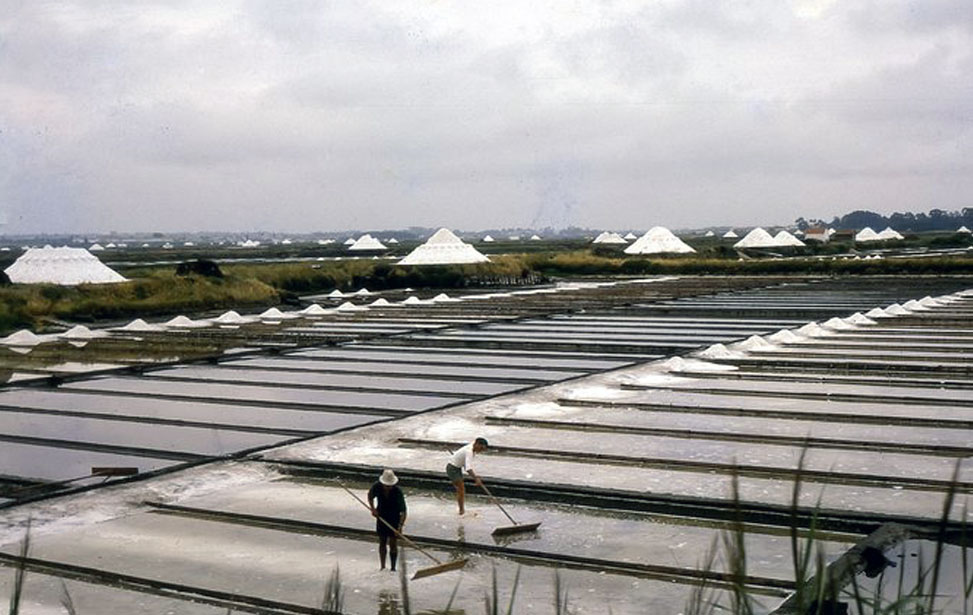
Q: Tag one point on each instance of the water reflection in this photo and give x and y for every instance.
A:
(389, 603)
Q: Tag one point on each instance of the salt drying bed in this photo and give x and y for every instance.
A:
(634, 468)
(835, 390)
(484, 357)
(285, 396)
(496, 373)
(176, 412)
(318, 380)
(794, 407)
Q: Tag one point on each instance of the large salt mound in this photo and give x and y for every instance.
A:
(890, 233)
(659, 240)
(730, 235)
(609, 238)
(444, 248)
(365, 243)
(785, 239)
(867, 234)
(63, 266)
(757, 238)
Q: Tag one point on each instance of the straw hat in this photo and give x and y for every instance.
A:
(388, 478)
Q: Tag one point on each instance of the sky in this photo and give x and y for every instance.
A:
(317, 116)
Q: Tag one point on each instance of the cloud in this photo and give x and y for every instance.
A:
(322, 116)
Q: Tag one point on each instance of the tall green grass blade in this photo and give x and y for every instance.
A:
(513, 592)
(941, 536)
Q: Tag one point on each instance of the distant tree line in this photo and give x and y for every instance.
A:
(935, 220)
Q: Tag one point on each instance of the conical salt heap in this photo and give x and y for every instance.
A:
(444, 248)
(659, 240)
(63, 266)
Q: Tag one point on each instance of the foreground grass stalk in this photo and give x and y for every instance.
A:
(20, 572)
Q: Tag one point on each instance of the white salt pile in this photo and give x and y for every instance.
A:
(812, 329)
(659, 240)
(348, 306)
(275, 314)
(897, 310)
(22, 338)
(62, 266)
(837, 324)
(754, 343)
(314, 310)
(184, 322)
(139, 325)
(784, 336)
(444, 248)
(718, 351)
(914, 306)
(81, 332)
(859, 319)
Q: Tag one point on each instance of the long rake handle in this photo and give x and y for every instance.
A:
(497, 502)
(389, 525)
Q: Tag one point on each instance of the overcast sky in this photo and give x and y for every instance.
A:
(318, 116)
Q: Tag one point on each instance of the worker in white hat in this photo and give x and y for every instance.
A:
(387, 503)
